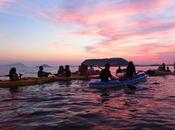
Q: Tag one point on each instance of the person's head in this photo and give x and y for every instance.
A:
(130, 63)
(41, 68)
(67, 67)
(13, 70)
(61, 67)
(119, 67)
(107, 66)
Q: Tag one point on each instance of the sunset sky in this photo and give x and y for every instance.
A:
(69, 31)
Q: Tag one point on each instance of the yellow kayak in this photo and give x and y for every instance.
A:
(35, 81)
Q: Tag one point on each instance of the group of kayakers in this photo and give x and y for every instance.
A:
(84, 70)
(164, 68)
(41, 73)
(121, 74)
(62, 72)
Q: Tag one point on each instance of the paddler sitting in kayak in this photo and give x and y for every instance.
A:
(83, 70)
(41, 73)
(63, 72)
(13, 75)
(67, 72)
(105, 74)
(130, 70)
(129, 73)
(60, 72)
(120, 73)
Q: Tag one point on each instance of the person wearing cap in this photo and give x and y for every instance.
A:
(105, 74)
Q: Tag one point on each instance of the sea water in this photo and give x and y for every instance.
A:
(72, 105)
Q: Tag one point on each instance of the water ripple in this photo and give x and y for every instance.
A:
(73, 105)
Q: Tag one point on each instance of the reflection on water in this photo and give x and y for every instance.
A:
(73, 105)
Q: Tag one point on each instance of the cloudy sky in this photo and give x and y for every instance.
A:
(69, 31)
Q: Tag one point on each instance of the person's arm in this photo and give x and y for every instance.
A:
(47, 73)
(43, 74)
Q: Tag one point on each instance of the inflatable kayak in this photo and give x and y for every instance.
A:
(140, 77)
(35, 81)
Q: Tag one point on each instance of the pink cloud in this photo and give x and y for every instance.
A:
(105, 12)
(3, 3)
(126, 32)
(114, 23)
(154, 53)
(147, 53)
(153, 7)
(168, 57)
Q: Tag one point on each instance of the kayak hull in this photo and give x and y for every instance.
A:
(159, 73)
(142, 77)
(35, 81)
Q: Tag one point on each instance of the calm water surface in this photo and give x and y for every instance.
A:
(74, 106)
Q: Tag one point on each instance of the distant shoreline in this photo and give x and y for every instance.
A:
(138, 65)
(154, 65)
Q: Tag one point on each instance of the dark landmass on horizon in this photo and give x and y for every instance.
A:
(45, 65)
(14, 65)
(102, 62)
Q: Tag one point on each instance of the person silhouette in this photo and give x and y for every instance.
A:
(105, 74)
(41, 73)
(13, 75)
(130, 70)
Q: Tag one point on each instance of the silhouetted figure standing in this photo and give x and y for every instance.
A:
(13, 75)
(41, 73)
(130, 70)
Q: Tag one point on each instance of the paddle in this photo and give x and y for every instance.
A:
(20, 75)
(4, 75)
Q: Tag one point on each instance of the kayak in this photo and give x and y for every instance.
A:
(140, 77)
(159, 73)
(34, 81)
